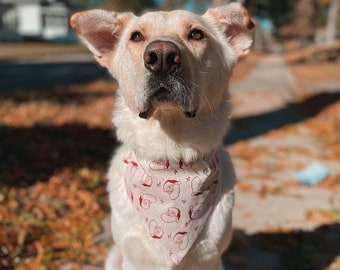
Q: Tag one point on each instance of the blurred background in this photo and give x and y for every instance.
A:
(56, 137)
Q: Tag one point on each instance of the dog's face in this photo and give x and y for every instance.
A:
(168, 61)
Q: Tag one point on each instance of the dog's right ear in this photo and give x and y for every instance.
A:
(100, 31)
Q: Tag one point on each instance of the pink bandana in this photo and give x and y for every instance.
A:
(173, 200)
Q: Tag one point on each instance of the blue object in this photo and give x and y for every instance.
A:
(312, 174)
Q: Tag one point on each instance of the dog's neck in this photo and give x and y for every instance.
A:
(172, 136)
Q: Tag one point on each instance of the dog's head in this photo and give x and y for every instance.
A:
(166, 61)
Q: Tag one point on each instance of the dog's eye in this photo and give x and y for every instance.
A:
(137, 37)
(196, 34)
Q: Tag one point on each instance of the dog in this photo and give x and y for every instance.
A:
(171, 181)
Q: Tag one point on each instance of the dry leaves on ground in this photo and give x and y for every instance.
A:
(56, 147)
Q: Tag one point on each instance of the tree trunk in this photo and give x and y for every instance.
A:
(332, 21)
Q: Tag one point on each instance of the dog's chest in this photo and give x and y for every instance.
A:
(173, 201)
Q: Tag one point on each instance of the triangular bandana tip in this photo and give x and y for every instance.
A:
(173, 201)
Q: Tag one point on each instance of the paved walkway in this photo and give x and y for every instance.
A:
(268, 86)
(259, 106)
(263, 101)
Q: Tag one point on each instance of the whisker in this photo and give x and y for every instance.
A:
(205, 72)
(205, 99)
(202, 97)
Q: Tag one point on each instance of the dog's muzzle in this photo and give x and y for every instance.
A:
(163, 59)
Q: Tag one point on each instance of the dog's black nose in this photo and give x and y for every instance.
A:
(162, 57)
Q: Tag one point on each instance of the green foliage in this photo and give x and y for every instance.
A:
(86, 4)
(321, 10)
(281, 12)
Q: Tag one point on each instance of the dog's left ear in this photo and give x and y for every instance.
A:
(100, 30)
(235, 23)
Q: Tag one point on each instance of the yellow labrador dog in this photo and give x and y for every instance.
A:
(171, 182)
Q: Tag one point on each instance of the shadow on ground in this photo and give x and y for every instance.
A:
(36, 76)
(255, 125)
(31, 154)
(297, 250)
(59, 94)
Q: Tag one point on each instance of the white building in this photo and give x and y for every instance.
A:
(33, 19)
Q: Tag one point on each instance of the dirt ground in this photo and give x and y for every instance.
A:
(56, 142)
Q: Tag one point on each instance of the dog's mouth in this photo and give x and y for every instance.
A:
(164, 95)
(188, 114)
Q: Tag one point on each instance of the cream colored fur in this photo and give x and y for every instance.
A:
(206, 66)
